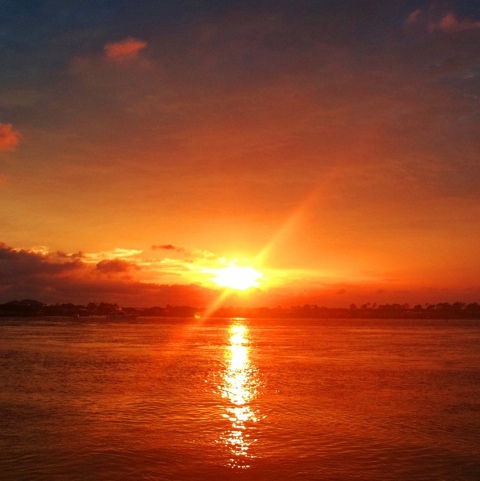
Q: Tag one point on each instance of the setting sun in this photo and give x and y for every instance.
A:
(237, 277)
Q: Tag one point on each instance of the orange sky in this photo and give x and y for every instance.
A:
(334, 147)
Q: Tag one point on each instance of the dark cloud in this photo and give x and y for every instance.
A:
(115, 266)
(168, 247)
(16, 264)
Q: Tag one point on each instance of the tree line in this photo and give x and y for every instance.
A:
(443, 310)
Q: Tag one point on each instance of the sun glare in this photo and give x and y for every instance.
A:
(237, 277)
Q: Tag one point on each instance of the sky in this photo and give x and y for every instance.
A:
(332, 145)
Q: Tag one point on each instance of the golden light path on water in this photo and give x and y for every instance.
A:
(239, 387)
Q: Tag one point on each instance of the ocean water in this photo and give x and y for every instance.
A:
(165, 399)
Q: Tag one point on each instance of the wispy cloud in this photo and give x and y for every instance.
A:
(124, 50)
(413, 17)
(450, 23)
(117, 253)
(446, 22)
(168, 247)
(8, 137)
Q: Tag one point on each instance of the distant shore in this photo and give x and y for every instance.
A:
(444, 310)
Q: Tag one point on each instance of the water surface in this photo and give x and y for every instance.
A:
(239, 399)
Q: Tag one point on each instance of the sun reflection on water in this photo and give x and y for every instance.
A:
(239, 388)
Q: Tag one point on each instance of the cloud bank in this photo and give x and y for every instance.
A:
(59, 277)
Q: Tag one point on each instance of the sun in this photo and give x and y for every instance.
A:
(237, 277)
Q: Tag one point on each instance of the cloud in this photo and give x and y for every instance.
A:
(117, 253)
(8, 137)
(20, 264)
(450, 23)
(168, 247)
(446, 22)
(413, 17)
(124, 50)
(115, 266)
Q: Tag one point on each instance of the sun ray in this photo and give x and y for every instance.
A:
(288, 225)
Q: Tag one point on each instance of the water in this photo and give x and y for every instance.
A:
(239, 399)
